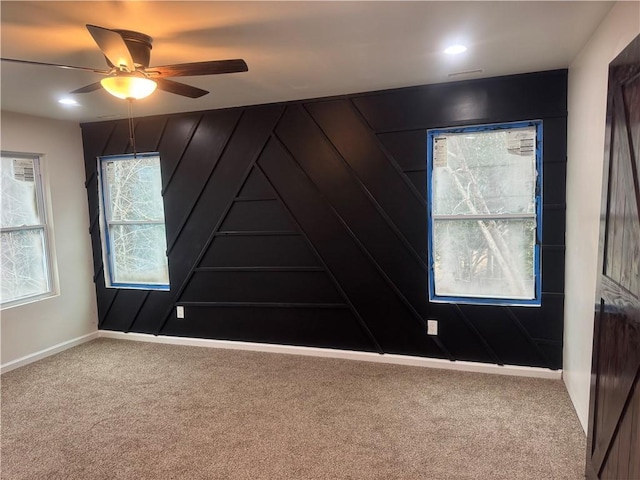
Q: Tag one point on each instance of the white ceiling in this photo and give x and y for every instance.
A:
(294, 50)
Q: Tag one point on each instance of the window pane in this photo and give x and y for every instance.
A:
(487, 172)
(484, 258)
(18, 201)
(139, 253)
(134, 189)
(23, 269)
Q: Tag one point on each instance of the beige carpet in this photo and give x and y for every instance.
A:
(126, 410)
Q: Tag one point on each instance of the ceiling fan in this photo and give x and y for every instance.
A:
(129, 75)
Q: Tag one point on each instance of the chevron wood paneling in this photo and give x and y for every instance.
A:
(304, 223)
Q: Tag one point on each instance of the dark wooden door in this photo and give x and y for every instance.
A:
(613, 446)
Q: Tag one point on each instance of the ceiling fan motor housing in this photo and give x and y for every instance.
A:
(139, 46)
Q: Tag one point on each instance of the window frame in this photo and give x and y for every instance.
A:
(106, 238)
(537, 252)
(42, 206)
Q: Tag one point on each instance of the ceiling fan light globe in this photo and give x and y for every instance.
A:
(128, 87)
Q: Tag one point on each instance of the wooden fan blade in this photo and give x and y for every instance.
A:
(179, 88)
(214, 67)
(89, 88)
(69, 67)
(113, 46)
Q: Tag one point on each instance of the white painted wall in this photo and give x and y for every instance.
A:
(585, 148)
(31, 328)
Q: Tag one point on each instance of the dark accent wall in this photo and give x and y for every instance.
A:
(304, 223)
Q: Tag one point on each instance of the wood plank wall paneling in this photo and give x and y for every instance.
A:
(305, 223)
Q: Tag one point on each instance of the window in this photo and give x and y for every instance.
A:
(25, 271)
(133, 231)
(485, 207)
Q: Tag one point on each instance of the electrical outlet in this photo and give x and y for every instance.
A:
(432, 327)
(180, 311)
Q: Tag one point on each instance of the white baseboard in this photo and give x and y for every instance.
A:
(513, 370)
(476, 367)
(60, 347)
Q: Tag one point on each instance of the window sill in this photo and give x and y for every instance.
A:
(29, 300)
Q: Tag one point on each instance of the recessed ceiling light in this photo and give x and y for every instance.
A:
(455, 49)
(68, 101)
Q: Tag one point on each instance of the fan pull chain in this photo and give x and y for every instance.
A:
(132, 137)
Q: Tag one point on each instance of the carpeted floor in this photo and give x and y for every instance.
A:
(114, 409)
